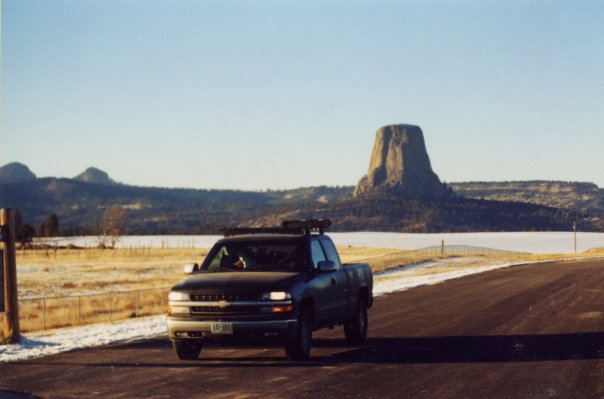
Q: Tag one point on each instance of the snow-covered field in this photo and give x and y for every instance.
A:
(534, 242)
(50, 342)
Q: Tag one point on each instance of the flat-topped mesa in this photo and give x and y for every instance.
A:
(400, 166)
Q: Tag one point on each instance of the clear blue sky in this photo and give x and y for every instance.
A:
(284, 94)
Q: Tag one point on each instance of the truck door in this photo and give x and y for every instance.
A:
(340, 295)
(325, 299)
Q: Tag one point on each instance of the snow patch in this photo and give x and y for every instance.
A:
(44, 343)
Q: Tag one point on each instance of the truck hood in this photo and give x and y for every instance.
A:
(242, 282)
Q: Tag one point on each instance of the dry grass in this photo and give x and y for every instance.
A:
(68, 272)
(73, 285)
(76, 282)
(74, 272)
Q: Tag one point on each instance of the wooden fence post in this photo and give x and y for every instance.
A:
(11, 332)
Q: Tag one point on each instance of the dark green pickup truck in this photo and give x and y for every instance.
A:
(278, 283)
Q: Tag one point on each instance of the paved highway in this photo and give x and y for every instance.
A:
(534, 331)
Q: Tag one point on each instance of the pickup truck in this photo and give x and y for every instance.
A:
(282, 283)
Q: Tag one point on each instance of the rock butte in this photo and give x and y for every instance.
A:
(400, 166)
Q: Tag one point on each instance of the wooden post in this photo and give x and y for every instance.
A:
(575, 235)
(11, 303)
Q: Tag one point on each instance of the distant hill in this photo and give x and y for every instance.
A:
(558, 194)
(94, 175)
(14, 172)
(390, 213)
(80, 207)
(81, 203)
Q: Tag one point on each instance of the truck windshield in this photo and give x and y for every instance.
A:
(285, 256)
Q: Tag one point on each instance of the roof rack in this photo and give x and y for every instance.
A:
(307, 225)
(237, 231)
(295, 227)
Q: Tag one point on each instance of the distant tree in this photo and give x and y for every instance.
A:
(50, 227)
(24, 232)
(113, 226)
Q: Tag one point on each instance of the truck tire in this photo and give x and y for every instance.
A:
(355, 329)
(187, 350)
(299, 340)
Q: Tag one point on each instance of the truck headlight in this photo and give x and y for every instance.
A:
(276, 296)
(178, 296)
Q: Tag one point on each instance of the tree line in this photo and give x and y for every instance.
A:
(110, 230)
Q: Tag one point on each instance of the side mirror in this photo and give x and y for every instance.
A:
(191, 268)
(326, 266)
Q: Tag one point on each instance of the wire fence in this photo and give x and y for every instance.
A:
(400, 258)
(47, 313)
(56, 312)
(86, 252)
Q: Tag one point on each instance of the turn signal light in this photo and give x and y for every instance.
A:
(278, 309)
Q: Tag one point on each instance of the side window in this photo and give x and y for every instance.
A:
(331, 252)
(317, 253)
(220, 256)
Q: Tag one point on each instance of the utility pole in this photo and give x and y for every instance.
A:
(9, 303)
(575, 234)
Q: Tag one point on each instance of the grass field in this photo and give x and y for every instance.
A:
(68, 272)
(67, 287)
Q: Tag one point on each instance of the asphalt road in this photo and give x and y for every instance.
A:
(534, 331)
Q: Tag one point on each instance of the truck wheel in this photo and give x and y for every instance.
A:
(355, 329)
(299, 340)
(187, 350)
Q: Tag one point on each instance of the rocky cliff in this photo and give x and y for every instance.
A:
(400, 166)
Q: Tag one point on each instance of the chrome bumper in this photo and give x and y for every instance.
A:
(181, 329)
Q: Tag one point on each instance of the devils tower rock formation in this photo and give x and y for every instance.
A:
(400, 166)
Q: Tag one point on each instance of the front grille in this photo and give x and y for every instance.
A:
(230, 297)
(226, 310)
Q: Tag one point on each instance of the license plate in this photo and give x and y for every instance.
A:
(222, 328)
